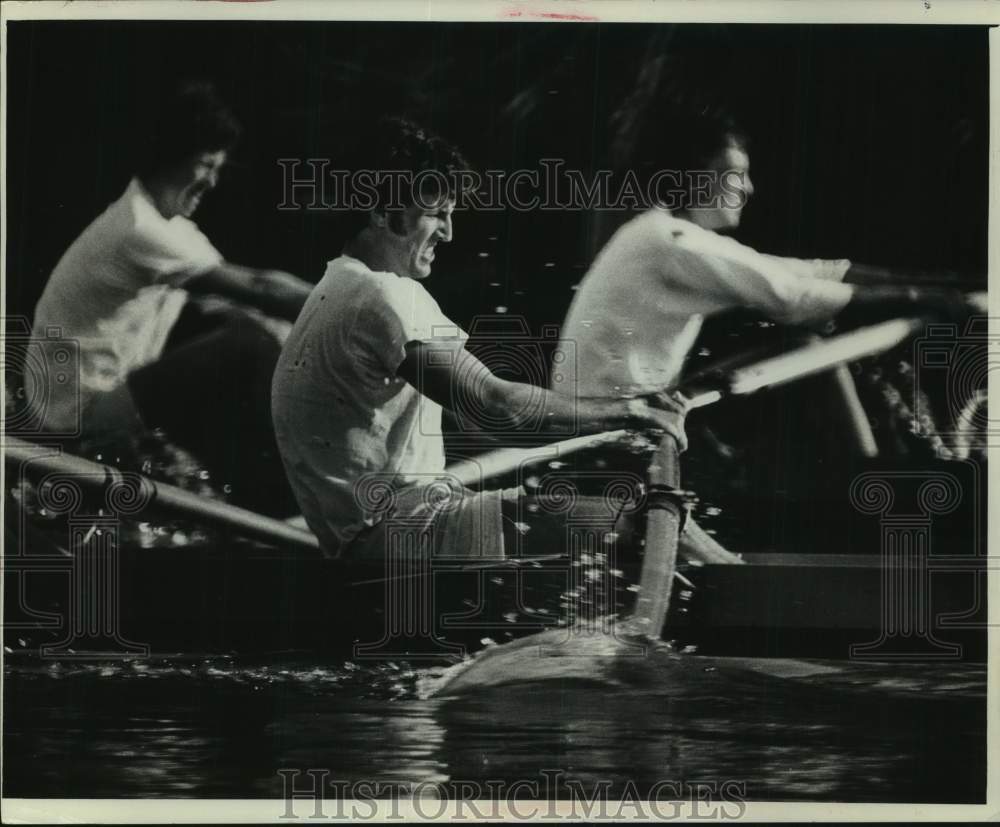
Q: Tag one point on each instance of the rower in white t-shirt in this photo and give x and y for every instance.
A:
(370, 364)
(639, 309)
(118, 290)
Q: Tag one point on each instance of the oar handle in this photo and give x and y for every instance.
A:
(778, 370)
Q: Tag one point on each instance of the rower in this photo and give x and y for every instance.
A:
(145, 353)
(371, 363)
(637, 313)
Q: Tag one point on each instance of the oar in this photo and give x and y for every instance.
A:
(521, 658)
(813, 358)
(39, 461)
(171, 499)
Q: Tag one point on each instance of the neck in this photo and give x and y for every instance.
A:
(157, 194)
(366, 249)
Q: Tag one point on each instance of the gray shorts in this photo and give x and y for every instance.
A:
(438, 521)
(446, 524)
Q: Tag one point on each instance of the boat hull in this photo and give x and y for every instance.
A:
(238, 597)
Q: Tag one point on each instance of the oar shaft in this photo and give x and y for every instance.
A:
(659, 562)
(823, 355)
(503, 461)
(40, 461)
(778, 370)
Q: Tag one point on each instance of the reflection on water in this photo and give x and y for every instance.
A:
(220, 729)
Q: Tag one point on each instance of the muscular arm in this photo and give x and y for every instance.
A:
(272, 291)
(494, 404)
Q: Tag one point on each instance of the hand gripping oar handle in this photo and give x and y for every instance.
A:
(39, 461)
(778, 370)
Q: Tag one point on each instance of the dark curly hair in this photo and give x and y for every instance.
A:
(191, 120)
(400, 164)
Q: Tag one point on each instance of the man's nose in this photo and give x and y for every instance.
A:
(748, 187)
(445, 229)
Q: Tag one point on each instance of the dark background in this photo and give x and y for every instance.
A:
(867, 142)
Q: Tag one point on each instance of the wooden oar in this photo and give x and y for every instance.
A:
(524, 658)
(171, 499)
(768, 373)
(39, 461)
(663, 526)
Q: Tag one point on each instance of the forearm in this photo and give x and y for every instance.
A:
(274, 292)
(529, 408)
(279, 293)
(479, 398)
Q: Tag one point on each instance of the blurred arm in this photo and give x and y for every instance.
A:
(273, 292)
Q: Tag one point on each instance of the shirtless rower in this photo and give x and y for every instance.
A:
(372, 361)
(639, 309)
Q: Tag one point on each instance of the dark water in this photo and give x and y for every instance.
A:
(216, 728)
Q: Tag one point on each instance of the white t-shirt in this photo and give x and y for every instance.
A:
(640, 307)
(115, 292)
(341, 413)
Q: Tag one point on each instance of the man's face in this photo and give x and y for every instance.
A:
(728, 192)
(411, 235)
(187, 182)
